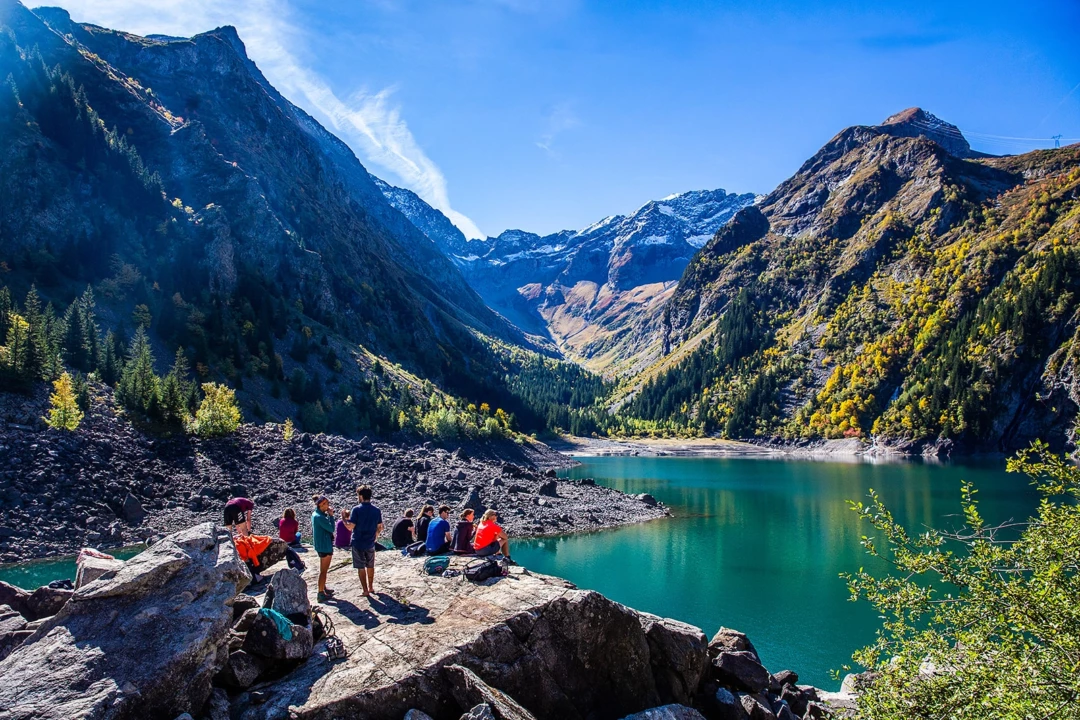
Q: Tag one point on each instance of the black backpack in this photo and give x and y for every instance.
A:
(482, 569)
(416, 549)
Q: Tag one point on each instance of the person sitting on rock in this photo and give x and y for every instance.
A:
(438, 534)
(403, 534)
(288, 527)
(342, 533)
(423, 522)
(490, 537)
(322, 537)
(463, 534)
(238, 515)
(366, 524)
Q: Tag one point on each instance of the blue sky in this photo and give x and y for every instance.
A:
(551, 114)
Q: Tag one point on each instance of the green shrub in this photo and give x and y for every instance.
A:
(218, 414)
(982, 622)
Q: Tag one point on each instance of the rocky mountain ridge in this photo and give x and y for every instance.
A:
(582, 288)
(898, 287)
(168, 174)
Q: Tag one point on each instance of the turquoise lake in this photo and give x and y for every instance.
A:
(758, 545)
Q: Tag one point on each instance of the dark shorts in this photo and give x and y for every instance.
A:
(363, 558)
(234, 515)
(329, 554)
(489, 549)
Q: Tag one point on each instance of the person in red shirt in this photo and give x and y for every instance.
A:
(490, 537)
(288, 527)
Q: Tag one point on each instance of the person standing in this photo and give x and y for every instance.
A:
(423, 522)
(438, 534)
(366, 524)
(238, 515)
(322, 537)
(402, 533)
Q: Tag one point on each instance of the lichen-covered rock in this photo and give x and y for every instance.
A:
(46, 602)
(143, 643)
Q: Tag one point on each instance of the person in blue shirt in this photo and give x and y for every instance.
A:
(438, 533)
(322, 535)
(366, 524)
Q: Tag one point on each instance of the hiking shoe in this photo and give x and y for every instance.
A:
(321, 597)
(328, 593)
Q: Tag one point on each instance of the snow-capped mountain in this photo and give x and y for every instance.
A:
(582, 287)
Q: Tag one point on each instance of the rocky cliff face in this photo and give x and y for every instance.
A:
(585, 288)
(175, 161)
(898, 285)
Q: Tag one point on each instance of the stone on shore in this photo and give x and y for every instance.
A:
(142, 643)
(14, 597)
(728, 640)
(740, 671)
(679, 656)
(46, 602)
(264, 640)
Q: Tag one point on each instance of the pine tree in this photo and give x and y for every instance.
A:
(176, 390)
(38, 337)
(64, 413)
(16, 361)
(6, 308)
(138, 388)
(110, 363)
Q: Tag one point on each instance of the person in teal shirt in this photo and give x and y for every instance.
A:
(322, 537)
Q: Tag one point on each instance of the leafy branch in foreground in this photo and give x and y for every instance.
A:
(981, 622)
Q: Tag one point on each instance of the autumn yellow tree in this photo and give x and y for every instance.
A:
(64, 413)
(218, 414)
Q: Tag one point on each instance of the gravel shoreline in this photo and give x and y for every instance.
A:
(109, 484)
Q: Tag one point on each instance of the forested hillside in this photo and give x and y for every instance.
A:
(898, 287)
(162, 186)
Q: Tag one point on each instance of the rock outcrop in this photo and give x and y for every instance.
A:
(169, 633)
(142, 643)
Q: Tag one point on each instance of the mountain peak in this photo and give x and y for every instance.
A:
(916, 122)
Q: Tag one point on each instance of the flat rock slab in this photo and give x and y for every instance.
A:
(558, 651)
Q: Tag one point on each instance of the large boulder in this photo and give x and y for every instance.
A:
(740, 671)
(728, 640)
(679, 657)
(242, 669)
(264, 640)
(132, 510)
(290, 594)
(145, 642)
(46, 602)
(14, 597)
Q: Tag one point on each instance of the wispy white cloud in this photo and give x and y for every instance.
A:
(559, 119)
(371, 123)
